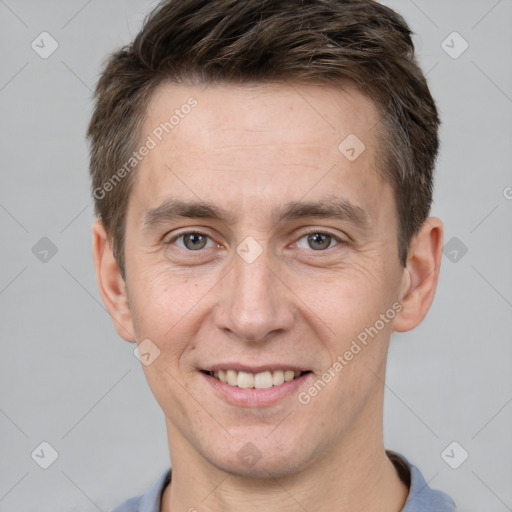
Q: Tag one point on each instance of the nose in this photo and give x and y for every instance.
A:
(254, 302)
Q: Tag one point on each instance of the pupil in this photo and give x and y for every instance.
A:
(318, 241)
(194, 241)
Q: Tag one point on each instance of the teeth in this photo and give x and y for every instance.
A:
(232, 377)
(245, 380)
(262, 380)
(288, 375)
(277, 377)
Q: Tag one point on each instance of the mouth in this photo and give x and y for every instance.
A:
(261, 380)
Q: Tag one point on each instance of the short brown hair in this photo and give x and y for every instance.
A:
(324, 42)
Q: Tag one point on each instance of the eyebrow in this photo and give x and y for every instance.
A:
(333, 207)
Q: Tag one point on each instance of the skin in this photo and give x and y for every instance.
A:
(251, 150)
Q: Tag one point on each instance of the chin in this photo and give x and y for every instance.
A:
(258, 458)
(274, 467)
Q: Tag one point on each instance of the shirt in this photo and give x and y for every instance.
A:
(421, 497)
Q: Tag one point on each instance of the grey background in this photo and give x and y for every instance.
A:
(67, 379)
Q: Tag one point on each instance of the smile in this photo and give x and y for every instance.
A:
(261, 380)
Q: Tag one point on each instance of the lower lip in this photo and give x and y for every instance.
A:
(252, 397)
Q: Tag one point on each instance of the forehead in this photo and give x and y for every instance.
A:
(255, 143)
(259, 113)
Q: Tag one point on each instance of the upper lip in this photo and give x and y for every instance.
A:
(254, 369)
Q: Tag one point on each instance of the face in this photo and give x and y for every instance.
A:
(255, 243)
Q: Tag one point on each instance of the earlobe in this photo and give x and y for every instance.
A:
(420, 275)
(110, 283)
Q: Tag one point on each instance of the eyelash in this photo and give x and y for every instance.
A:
(303, 235)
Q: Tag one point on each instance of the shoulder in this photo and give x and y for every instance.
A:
(131, 505)
(149, 501)
(421, 497)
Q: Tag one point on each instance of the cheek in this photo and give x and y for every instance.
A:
(169, 309)
(166, 311)
(349, 297)
(160, 298)
(350, 303)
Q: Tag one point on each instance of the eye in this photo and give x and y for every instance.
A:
(193, 241)
(317, 241)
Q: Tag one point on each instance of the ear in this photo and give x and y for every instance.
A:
(420, 275)
(110, 282)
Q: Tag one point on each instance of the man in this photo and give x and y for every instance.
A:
(262, 172)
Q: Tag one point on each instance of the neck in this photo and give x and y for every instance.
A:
(356, 476)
